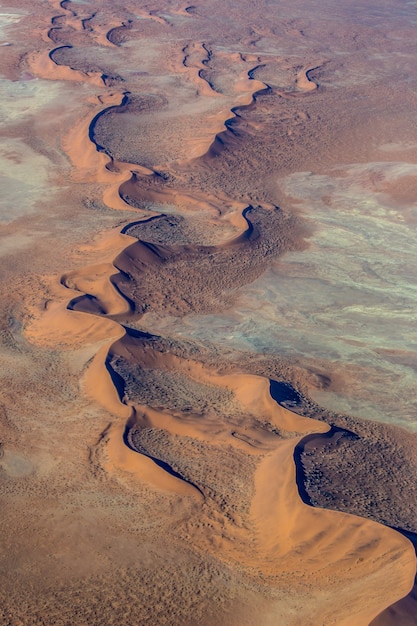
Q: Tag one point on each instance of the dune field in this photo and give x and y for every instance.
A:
(208, 295)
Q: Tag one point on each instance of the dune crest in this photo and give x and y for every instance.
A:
(303, 80)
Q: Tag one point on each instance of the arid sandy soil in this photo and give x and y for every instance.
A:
(156, 479)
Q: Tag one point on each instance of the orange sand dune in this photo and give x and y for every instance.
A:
(59, 326)
(43, 67)
(96, 281)
(303, 81)
(121, 459)
(133, 189)
(196, 56)
(281, 534)
(68, 328)
(319, 543)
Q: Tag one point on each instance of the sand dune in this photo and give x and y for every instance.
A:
(165, 491)
(281, 535)
(198, 56)
(303, 80)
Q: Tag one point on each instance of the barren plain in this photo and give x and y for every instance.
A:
(207, 313)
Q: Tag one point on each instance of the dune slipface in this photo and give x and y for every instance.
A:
(172, 176)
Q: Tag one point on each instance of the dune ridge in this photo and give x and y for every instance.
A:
(262, 430)
(304, 81)
(260, 523)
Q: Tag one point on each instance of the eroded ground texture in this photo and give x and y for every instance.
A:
(207, 313)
